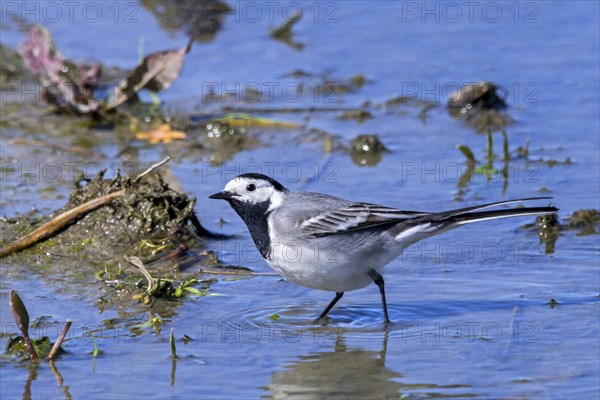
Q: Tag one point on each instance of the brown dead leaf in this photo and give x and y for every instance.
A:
(161, 134)
(156, 72)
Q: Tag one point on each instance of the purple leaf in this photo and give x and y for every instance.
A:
(69, 86)
(40, 55)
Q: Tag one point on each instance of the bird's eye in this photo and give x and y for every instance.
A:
(251, 187)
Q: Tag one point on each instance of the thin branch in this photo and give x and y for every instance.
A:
(135, 261)
(152, 168)
(59, 341)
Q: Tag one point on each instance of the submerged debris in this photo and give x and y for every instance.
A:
(481, 106)
(552, 303)
(367, 150)
(198, 19)
(482, 94)
(359, 115)
(587, 221)
(548, 228)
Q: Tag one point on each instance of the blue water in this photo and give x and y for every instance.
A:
(469, 307)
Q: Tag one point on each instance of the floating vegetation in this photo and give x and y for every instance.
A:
(161, 287)
(586, 221)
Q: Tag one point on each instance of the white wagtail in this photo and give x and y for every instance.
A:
(324, 242)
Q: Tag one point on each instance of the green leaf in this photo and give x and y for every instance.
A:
(189, 282)
(178, 292)
(194, 291)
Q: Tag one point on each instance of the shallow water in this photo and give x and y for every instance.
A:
(469, 307)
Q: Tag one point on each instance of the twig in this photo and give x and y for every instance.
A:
(135, 261)
(152, 168)
(59, 341)
(69, 216)
(248, 273)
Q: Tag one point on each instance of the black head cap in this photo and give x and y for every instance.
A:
(253, 175)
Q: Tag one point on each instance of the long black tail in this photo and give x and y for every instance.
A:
(472, 214)
(421, 227)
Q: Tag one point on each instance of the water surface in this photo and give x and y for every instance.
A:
(469, 308)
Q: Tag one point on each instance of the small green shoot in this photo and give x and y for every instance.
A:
(505, 148)
(172, 343)
(95, 352)
(274, 317)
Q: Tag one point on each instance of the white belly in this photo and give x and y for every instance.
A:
(332, 270)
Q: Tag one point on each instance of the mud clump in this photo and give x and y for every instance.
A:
(148, 215)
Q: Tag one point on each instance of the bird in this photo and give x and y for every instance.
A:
(324, 242)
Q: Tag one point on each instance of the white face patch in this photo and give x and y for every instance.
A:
(264, 191)
(276, 200)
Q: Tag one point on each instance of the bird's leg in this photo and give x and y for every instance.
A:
(337, 297)
(378, 279)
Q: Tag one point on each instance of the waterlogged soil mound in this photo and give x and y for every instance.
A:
(147, 216)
